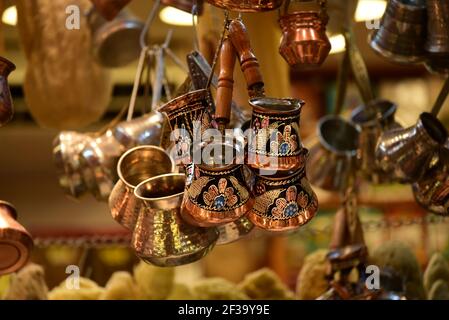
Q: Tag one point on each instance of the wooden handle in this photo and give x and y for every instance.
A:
(109, 9)
(225, 83)
(248, 61)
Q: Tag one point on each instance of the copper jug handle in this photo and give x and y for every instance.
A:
(248, 61)
(225, 83)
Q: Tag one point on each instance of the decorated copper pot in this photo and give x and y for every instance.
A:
(275, 142)
(217, 193)
(161, 237)
(304, 42)
(283, 203)
(16, 243)
(247, 5)
(135, 166)
(6, 104)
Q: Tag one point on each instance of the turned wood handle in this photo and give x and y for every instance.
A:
(109, 9)
(248, 61)
(225, 82)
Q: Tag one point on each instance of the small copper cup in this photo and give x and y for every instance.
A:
(275, 144)
(218, 193)
(135, 166)
(283, 203)
(247, 5)
(16, 243)
(161, 237)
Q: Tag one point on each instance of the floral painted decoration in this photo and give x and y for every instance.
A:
(285, 142)
(291, 205)
(221, 196)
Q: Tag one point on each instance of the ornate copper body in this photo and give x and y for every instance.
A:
(402, 34)
(6, 104)
(16, 243)
(283, 203)
(373, 120)
(276, 143)
(189, 116)
(135, 166)
(109, 9)
(432, 190)
(406, 152)
(67, 147)
(332, 162)
(161, 237)
(438, 27)
(115, 43)
(234, 231)
(217, 193)
(184, 5)
(304, 43)
(247, 5)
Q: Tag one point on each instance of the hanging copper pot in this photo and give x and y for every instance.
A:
(109, 9)
(16, 243)
(6, 104)
(247, 5)
(406, 152)
(283, 203)
(304, 43)
(161, 237)
(135, 166)
(438, 27)
(402, 34)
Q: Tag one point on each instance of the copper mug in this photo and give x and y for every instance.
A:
(275, 143)
(247, 5)
(6, 104)
(283, 203)
(432, 190)
(116, 43)
(135, 166)
(406, 152)
(372, 120)
(161, 237)
(16, 243)
(402, 34)
(304, 43)
(217, 193)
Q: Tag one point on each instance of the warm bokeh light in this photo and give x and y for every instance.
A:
(338, 43)
(176, 17)
(368, 10)
(10, 16)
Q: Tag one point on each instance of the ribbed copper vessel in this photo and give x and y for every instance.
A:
(16, 243)
(438, 27)
(247, 5)
(304, 43)
(135, 166)
(161, 237)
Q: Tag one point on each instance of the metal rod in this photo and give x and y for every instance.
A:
(148, 22)
(132, 102)
(441, 98)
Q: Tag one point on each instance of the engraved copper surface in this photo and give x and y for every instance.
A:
(135, 166)
(161, 237)
(247, 5)
(16, 243)
(6, 104)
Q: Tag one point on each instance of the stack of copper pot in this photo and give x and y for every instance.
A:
(414, 32)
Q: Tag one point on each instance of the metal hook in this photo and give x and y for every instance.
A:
(148, 22)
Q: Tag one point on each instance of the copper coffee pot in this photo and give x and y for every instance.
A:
(247, 5)
(6, 104)
(16, 243)
(109, 9)
(304, 43)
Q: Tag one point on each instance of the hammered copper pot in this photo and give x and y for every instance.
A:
(304, 43)
(283, 203)
(6, 104)
(372, 120)
(135, 166)
(406, 152)
(402, 34)
(247, 5)
(161, 237)
(275, 142)
(115, 43)
(16, 243)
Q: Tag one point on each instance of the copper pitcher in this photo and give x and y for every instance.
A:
(116, 43)
(405, 152)
(247, 5)
(6, 104)
(135, 166)
(372, 120)
(16, 243)
(304, 43)
(283, 203)
(109, 9)
(161, 237)
(438, 27)
(402, 34)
